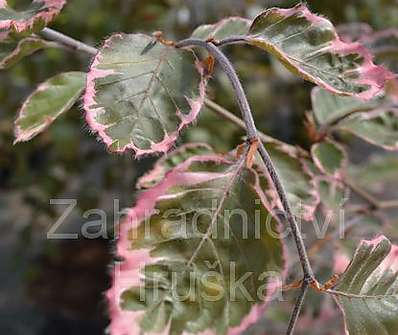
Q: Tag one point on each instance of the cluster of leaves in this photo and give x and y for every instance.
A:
(140, 93)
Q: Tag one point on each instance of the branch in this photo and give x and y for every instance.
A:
(252, 135)
(297, 308)
(67, 41)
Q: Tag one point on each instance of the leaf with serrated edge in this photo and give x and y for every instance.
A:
(330, 157)
(140, 94)
(231, 26)
(189, 191)
(11, 52)
(367, 291)
(51, 99)
(308, 45)
(34, 18)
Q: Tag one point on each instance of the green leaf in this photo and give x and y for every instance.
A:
(232, 26)
(12, 51)
(309, 46)
(51, 99)
(33, 19)
(378, 176)
(329, 108)
(140, 93)
(378, 127)
(184, 252)
(367, 292)
(375, 121)
(329, 157)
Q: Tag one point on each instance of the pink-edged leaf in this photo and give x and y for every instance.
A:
(34, 18)
(231, 26)
(183, 251)
(171, 160)
(330, 157)
(367, 291)
(308, 45)
(11, 52)
(140, 93)
(50, 100)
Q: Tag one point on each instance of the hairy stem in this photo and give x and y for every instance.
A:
(252, 134)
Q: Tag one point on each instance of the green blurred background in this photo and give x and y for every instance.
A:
(56, 286)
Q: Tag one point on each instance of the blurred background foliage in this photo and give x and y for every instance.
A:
(56, 287)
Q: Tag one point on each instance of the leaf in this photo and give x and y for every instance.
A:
(378, 176)
(33, 19)
(296, 179)
(375, 121)
(51, 99)
(140, 93)
(329, 157)
(378, 127)
(309, 46)
(367, 292)
(180, 232)
(171, 160)
(12, 51)
(232, 26)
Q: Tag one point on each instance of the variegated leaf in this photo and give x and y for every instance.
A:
(367, 292)
(329, 157)
(184, 246)
(232, 26)
(51, 99)
(34, 18)
(12, 51)
(308, 45)
(140, 93)
(375, 121)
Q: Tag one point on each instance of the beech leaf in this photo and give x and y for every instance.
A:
(140, 93)
(231, 26)
(375, 121)
(33, 19)
(51, 99)
(183, 251)
(329, 157)
(12, 51)
(308, 45)
(367, 292)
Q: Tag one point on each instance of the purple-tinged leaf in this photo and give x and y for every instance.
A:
(308, 45)
(33, 19)
(330, 157)
(232, 26)
(140, 93)
(11, 51)
(51, 99)
(181, 233)
(367, 291)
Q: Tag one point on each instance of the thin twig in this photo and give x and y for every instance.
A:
(297, 308)
(253, 136)
(67, 41)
